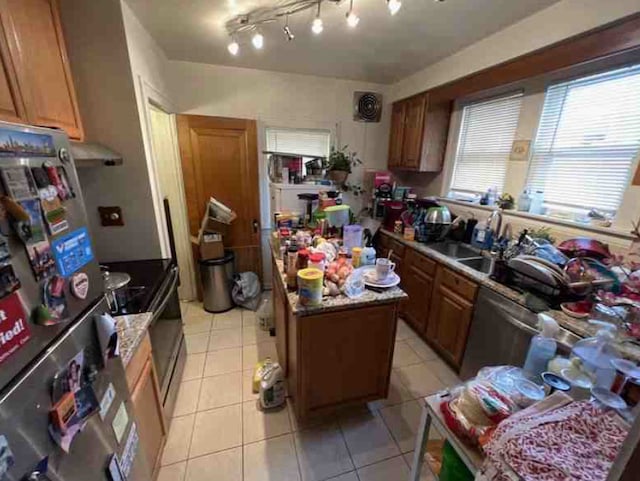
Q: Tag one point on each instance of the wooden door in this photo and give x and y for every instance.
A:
(220, 159)
(396, 135)
(449, 324)
(413, 130)
(418, 285)
(36, 45)
(148, 408)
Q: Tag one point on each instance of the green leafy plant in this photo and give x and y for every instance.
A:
(342, 160)
(542, 233)
(506, 201)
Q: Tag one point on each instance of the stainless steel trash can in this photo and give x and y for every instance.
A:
(216, 276)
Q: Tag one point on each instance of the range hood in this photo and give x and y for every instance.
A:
(92, 154)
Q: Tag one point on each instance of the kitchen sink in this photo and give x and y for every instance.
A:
(481, 264)
(454, 250)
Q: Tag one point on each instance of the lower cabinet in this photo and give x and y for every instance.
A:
(147, 404)
(449, 323)
(418, 285)
(280, 319)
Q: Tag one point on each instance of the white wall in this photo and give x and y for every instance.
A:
(551, 25)
(282, 100)
(99, 59)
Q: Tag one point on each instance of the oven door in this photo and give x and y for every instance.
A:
(167, 339)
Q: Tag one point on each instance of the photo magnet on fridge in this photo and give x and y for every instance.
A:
(30, 230)
(8, 281)
(53, 297)
(53, 210)
(19, 182)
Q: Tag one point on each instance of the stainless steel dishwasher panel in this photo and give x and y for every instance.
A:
(500, 333)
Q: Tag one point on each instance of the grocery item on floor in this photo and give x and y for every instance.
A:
(246, 290)
(310, 287)
(552, 438)
(272, 391)
(258, 371)
(542, 347)
(264, 314)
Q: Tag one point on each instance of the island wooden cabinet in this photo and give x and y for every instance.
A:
(418, 135)
(35, 82)
(280, 312)
(147, 404)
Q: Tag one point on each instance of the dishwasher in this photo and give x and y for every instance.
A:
(500, 333)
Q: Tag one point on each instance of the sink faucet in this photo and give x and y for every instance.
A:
(496, 216)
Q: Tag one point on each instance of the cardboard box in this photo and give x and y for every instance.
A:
(214, 227)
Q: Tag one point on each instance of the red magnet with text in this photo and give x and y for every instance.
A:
(14, 330)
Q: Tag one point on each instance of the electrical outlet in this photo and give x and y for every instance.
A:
(110, 216)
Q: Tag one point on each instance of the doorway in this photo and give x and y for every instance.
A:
(171, 190)
(220, 160)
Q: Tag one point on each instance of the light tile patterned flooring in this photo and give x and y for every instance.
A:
(219, 433)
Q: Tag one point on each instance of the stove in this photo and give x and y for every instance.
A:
(154, 288)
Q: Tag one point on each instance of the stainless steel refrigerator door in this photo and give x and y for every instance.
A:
(31, 290)
(24, 413)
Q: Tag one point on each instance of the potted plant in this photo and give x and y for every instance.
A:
(340, 164)
(506, 201)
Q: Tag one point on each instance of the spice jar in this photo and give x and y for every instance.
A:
(317, 260)
(303, 259)
(356, 253)
(397, 227)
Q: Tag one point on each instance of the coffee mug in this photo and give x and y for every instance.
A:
(384, 267)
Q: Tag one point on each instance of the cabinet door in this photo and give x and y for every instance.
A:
(280, 319)
(449, 323)
(38, 51)
(418, 285)
(396, 136)
(413, 131)
(148, 409)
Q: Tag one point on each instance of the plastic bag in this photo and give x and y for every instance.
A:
(265, 314)
(246, 290)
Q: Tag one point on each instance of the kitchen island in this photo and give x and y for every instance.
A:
(337, 354)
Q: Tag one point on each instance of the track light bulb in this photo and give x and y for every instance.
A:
(233, 47)
(394, 6)
(257, 40)
(352, 19)
(316, 26)
(288, 33)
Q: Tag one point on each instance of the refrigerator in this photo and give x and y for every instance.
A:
(65, 410)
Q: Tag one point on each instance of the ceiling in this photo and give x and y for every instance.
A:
(382, 48)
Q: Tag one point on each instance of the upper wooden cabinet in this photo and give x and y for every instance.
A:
(419, 128)
(36, 85)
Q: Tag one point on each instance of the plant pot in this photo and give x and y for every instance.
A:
(339, 177)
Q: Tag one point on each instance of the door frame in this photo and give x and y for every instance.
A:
(150, 97)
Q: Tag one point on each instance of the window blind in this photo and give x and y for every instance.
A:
(307, 143)
(486, 136)
(588, 136)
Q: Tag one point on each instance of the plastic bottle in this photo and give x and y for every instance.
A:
(292, 268)
(596, 354)
(543, 346)
(524, 201)
(537, 200)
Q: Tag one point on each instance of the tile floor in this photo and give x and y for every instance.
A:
(218, 431)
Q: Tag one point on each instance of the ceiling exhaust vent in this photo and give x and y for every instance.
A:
(367, 106)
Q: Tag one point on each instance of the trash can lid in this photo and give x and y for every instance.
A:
(228, 257)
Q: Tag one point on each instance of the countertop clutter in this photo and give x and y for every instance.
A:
(579, 327)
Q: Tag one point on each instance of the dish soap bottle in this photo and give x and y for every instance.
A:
(543, 346)
(524, 201)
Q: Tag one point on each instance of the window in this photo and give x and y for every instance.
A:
(588, 136)
(486, 136)
(305, 143)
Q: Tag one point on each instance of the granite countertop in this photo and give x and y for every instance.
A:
(339, 302)
(131, 331)
(577, 326)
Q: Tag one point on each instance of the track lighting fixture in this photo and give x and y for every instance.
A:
(257, 40)
(352, 18)
(287, 31)
(233, 47)
(394, 6)
(316, 26)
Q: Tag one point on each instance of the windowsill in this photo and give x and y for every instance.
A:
(610, 231)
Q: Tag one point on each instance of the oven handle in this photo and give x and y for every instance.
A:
(160, 300)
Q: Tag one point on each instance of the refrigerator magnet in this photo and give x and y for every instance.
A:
(113, 469)
(19, 182)
(54, 298)
(56, 181)
(14, 330)
(9, 282)
(40, 177)
(120, 421)
(31, 228)
(79, 285)
(41, 259)
(6, 456)
(64, 178)
(53, 210)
